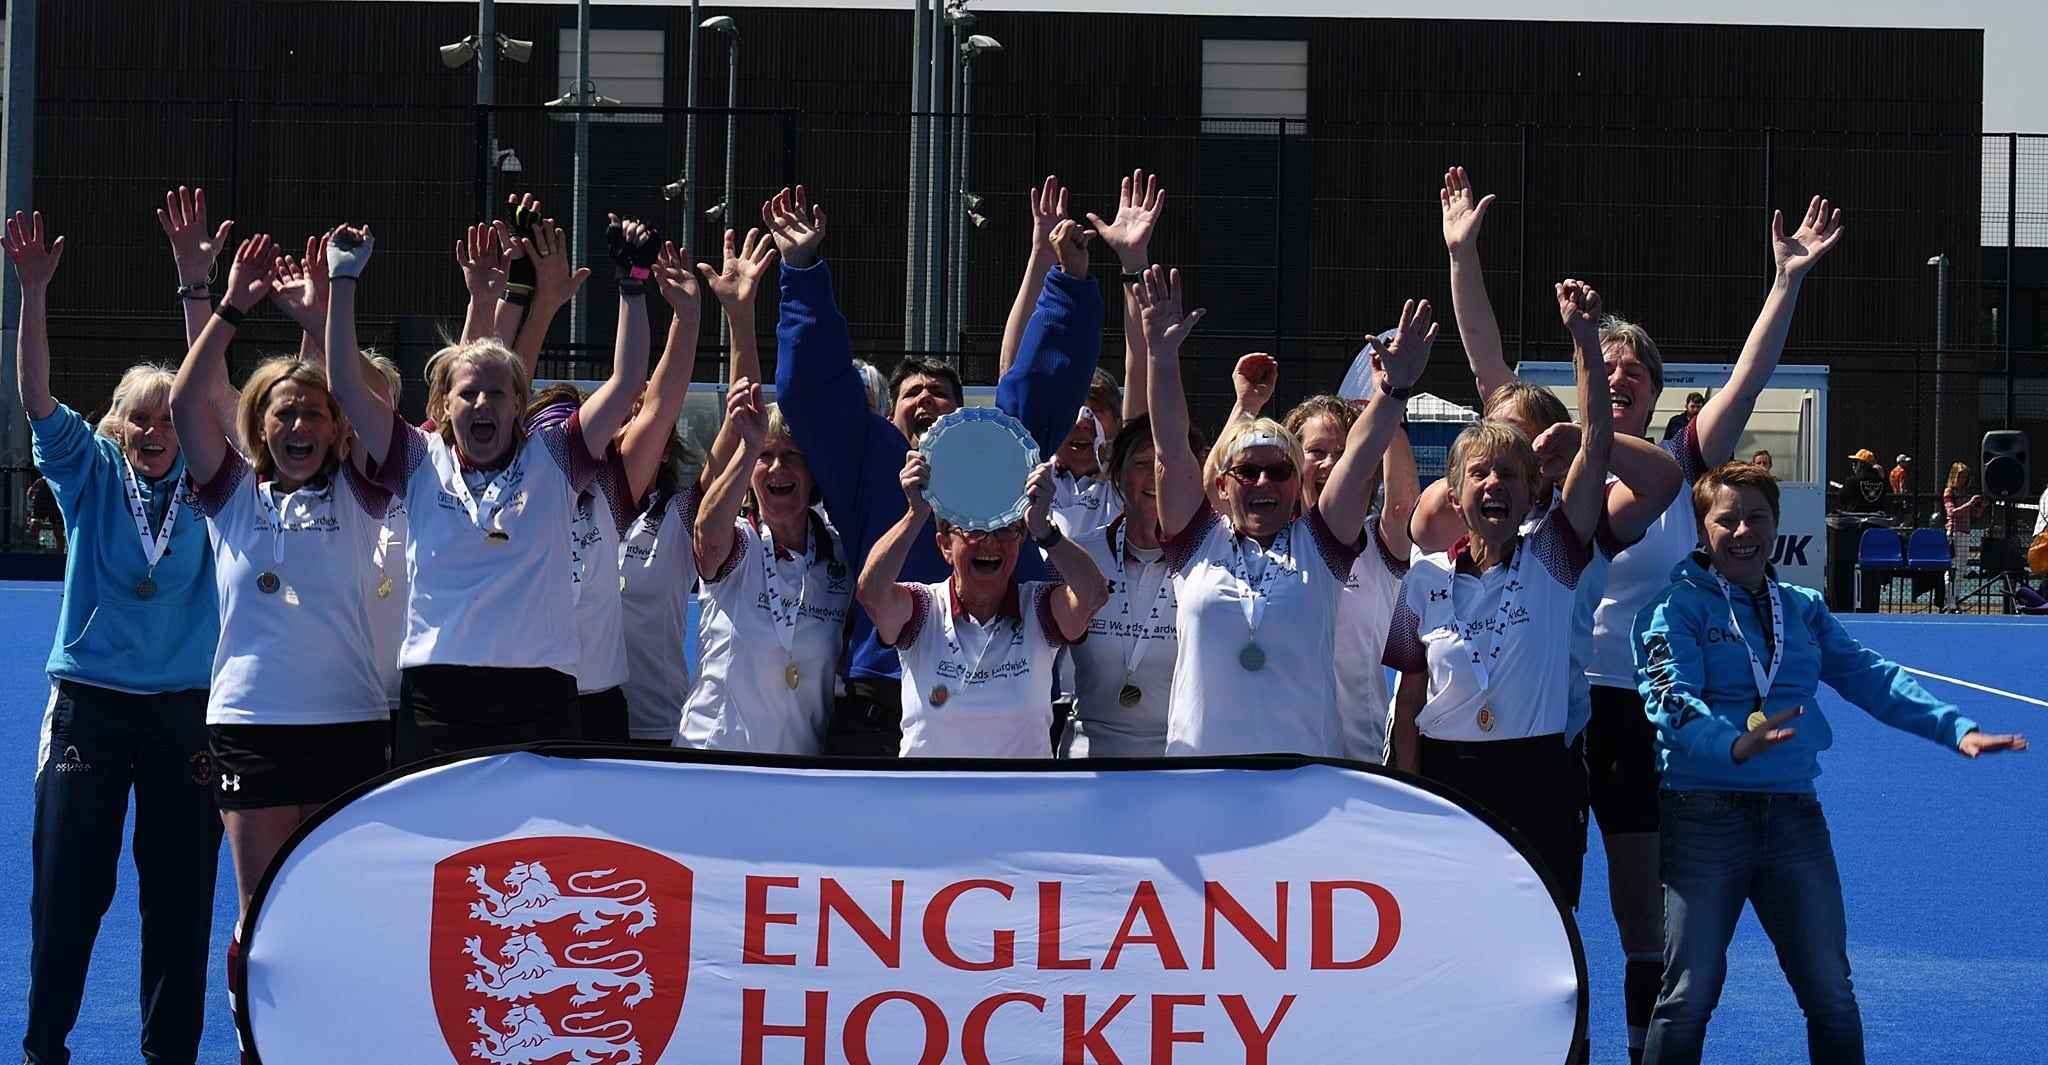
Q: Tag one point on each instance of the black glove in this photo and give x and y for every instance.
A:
(635, 262)
(519, 275)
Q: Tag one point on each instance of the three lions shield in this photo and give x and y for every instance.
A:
(557, 948)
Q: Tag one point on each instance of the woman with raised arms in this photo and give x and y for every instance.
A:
(977, 648)
(776, 590)
(1258, 573)
(490, 651)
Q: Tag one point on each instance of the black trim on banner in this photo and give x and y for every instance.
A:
(642, 753)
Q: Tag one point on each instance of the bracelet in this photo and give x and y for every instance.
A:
(226, 312)
(1401, 394)
(189, 288)
(1133, 277)
(1051, 540)
(515, 297)
(632, 286)
(200, 296)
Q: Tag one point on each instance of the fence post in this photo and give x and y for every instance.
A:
(789, 141)
(1279, 229)
(2012, 202)
(1770, 169)
(234, 157)
(481, 190)
(1522, 254)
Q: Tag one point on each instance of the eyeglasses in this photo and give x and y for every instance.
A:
(1249, 472)
(1003, 535)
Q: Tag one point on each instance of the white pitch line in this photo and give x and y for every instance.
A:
(1979, 687)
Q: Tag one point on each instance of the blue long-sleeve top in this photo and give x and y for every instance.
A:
(106, 634)
(1699, 688)
(856, 455)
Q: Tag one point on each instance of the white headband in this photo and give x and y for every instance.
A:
(1252, 439)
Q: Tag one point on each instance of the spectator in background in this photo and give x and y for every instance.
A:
(1693, 402)
(45, 518)
(1763, 458)
(1899, 472)
(1961, 507)
(1864, 491)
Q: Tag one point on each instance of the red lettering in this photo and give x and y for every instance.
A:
(1082, 1040)
(974, 1034)
(1258, 1038)
(833, 899)
(934, 1018)
(1164, 1036)
(935, 928)
(1049, 929)
(754, 944)
(753, 1029)
(1216, 901)
(1323, 952)
(1145, 902)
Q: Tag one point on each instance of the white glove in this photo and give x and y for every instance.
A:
(348, 251)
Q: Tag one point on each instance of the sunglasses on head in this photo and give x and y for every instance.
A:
(1249, 472)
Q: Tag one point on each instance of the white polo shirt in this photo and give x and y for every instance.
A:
(1364, 611)
(1514, 618)
(387, 610)
(296, 585)
(1082, 505)
(658, 563)
(761, 596)
(1132, 641)
(502, 601)
(1643, 570)
(1289, 705)
(978, 691)
(596, 529)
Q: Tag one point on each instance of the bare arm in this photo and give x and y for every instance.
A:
(745, 420)
(1409, 699)
(484, 274)
(1404, 357)
(1083, 589)
(1435, 526)
(889, 604)
(1404, 487)
(202, 437)
(1180, 472)
(1647, 478)
(554, 286)
(1585, 486)
(184, 221)
(1721, 421)
(1139, 202)
(736, 283)
(647, 435)
(34, 265)
(348, 252)
(1477, 329)
(1048, 206)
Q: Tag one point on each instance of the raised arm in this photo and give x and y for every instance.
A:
(1253, 380)
(1166, 329)
(1403, 356)
(1477, 329)
(1404, 488)
(1061, 345)
(647, 434)
(369, 414)
(34, 265)
(736, 283)
(1585, 486)
(554, 285)
(1048, 207)
(1721, 421)
(202, 437)
(1082, 590)
(1139, 201)
(889, 604)
(194, 250)
(745, 420)
(299, 290)
(485, 271)
(634, 246)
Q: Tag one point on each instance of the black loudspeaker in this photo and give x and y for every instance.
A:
(2005, 465)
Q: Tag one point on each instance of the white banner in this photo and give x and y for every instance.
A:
(550, 908)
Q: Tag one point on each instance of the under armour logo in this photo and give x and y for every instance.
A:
(1439, 593)
(231, 782)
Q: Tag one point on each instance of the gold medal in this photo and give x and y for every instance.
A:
(1486, 719)
(789, 676)
(622, 582)
(1756, 720)
(384, 586)
(497, 538)
(1252, 658)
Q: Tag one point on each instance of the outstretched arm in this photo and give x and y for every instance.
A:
(34, 265)
(1083, 590)
(1403, 356)
(1139, 201)
(554, 285)
(1166, 329)
(647, 435)
(736, 283)
(369, 414)
(634, 246)
(1253, 380)
(1404, 487)
(202, 437)
(889, 604)
(1477, 329)
(1585, 486)
(1721, 421)
(1061, 345)
(745, 420)
(1048, 207)
(194, 250)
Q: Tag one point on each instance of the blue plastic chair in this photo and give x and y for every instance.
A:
(1927, 549)
(1879, 558)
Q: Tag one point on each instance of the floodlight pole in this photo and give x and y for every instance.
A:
(486, 89)
(579, 210)
(689, 233)
(17, 193)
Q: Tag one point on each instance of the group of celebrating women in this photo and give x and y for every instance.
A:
(320, 589)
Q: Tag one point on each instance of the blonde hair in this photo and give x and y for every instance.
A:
(779, 427)
(255, 404)
(1226, 443)
(1535, 403)
(388, 369)
(1958, 476)
(145, 384)
(1618, 330)
(482, 352)
(1492, 439)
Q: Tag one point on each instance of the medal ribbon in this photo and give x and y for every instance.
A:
(1765, 675)
(153, 548)
(990, 633)
(273, 512)
(1481, 660)
(513, 473)
(1279, 560)
(781, 609)
(1138, 635)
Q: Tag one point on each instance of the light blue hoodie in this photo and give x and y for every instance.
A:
(1700, 690)
(106, 634)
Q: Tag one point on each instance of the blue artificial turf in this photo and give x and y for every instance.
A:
(1948, 933)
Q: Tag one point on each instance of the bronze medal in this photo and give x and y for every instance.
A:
(145, 588)
(790, 676)
(497, 538)
(1252, 658)
(1129, 695)
(384, 586)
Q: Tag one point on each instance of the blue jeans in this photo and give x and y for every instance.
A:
(1720, 848)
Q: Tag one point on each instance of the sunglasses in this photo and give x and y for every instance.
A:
(1249, 472)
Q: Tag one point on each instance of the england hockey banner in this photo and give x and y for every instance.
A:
(570, 907)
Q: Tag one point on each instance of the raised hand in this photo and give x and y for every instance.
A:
(34, 263)
(1159, 309)
(673, 275)
(1463, 215)
(915, 478)
(253, 272)
(554, 284)
(1578, 306)
(1977, 743)
(1137, 212)
(183, 218)
(633, 245)
(1404, 352)
(1070, 241)
(1819, 231)
(743, 408)
(1048, 208)
(1556, 447)
(485, 265)
(1254, 379)
(738, 277)
(1039, 488)
(796, 224)
(300, 286)
(1765, 735)
(348, 251)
